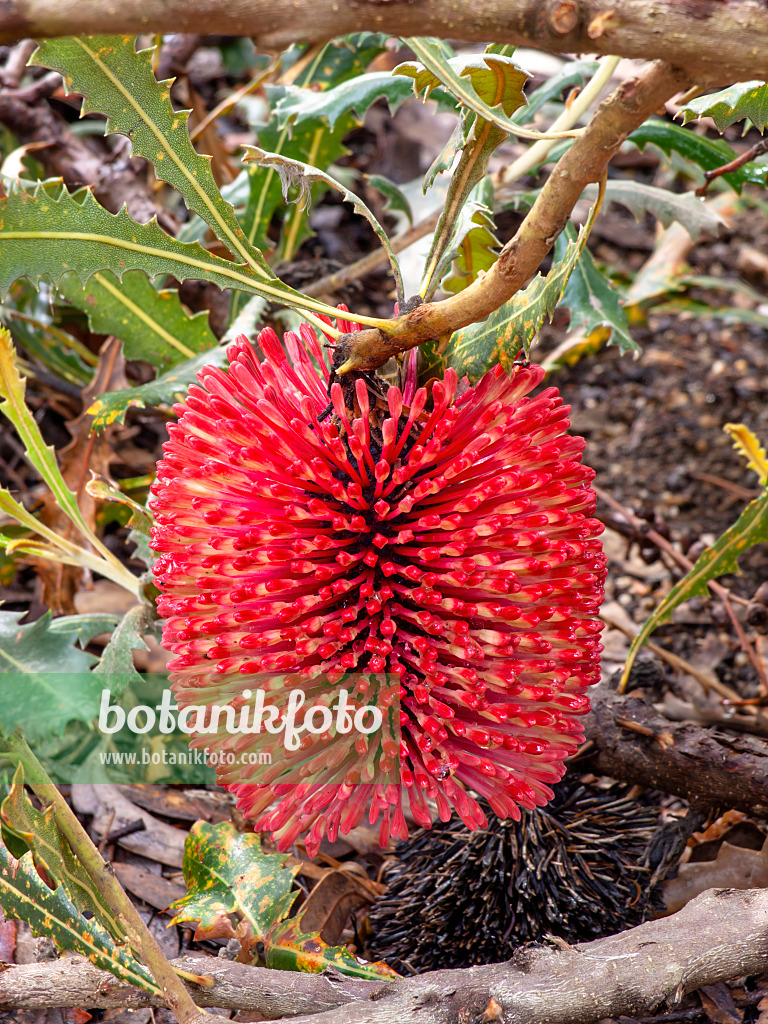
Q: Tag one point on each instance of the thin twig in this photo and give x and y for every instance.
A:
(756, 150)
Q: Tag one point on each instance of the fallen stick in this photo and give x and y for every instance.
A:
(721, 934)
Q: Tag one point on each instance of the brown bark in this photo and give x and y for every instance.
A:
(716, 42)
(709, 766)
(721, 934)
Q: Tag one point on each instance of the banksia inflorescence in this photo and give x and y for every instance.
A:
(426, 551)
(575, 869)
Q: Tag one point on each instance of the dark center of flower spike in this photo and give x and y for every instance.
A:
(437, 542)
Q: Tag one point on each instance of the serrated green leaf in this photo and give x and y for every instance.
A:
(592, 300)
(749, 529)
(152, 325)
(708, 154)
(488, 84)
(744, 100)
(228, 873)
(511, 328)
(51, 913)
(51, 851)
(53, 234)
(116, 662)
(117, 81)
(686, 208)
(164, 390)
(46, 679)
(353, 96)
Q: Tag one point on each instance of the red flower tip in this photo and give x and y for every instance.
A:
(428, 553)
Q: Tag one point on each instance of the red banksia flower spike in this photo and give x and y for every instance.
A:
(333, 550)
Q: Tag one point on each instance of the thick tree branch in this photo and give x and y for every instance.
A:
(716, 42)
(584, 163)
(710, 766)
(721, 934)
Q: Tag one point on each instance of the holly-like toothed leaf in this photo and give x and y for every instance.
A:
(708, 154)
(749, 529)
(152, 325)
(51, 913)
(41, 835)
(686, 208)
(44, 234)
(164, 390)
(117, 81)
(227, 872)
(489, 84)
(739, 102)
(116, 662)
(351, 97)
(47, 678)
(511, 328)
(478, 250)
(593, 301)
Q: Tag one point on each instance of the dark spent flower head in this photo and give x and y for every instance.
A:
(429, 551)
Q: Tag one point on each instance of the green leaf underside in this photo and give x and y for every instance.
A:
(164, 390)
(52, 235)
(706, 153)
(228, 873)
(61, 686)
(592, 299)
(749, 529)
(51, 913)
(117, 81)
(152, 325)
(39, 831)
(744, 100)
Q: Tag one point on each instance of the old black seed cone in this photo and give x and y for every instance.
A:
(573, 870)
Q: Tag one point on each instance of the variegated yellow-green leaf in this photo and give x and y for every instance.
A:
(744, 100)
(511, 328)
(51, 851)
(51, 913)
(749, 529)
(489, 84)
(228, 873)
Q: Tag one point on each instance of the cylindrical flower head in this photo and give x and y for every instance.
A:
(426, 552)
